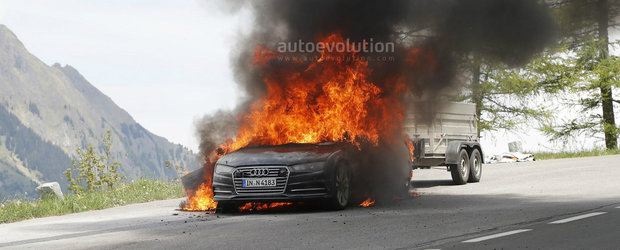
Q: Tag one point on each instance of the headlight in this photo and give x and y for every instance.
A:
(309, 167)
(223, 169)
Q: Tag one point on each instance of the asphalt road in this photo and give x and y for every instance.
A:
(553, 204)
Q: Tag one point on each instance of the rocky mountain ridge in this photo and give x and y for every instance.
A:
(47, 111)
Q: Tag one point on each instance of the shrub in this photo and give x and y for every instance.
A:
(92, 171)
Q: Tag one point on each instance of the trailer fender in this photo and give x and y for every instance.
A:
(454, 148)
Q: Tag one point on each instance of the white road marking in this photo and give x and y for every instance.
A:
(579, 217)
(493, 236)
(617, 207)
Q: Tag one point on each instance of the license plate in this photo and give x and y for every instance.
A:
(259, 182)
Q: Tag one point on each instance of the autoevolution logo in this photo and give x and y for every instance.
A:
(259, 172)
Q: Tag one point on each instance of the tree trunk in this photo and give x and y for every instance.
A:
(609, 122)
(476, 92)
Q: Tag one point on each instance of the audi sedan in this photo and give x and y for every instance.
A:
(289, 172)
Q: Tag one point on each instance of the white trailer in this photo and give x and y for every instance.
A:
(450, 139)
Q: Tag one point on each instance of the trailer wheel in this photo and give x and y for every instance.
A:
(475, 163)
(460, 171)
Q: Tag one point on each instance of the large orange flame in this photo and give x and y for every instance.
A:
(330, 99)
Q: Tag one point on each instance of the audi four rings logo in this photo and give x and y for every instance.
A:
(258, 172)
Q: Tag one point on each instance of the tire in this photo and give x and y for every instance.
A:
(475, 166)
(341, 188)
(460, 171)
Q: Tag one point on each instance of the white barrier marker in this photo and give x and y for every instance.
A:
(493, 236)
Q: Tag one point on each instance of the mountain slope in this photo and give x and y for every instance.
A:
(21, 147)
(62, 108)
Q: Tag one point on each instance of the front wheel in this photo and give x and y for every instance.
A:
(341, 188)
(460, 171)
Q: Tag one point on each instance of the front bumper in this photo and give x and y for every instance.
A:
(298, 186)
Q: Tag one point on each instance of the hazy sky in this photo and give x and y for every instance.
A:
(165, 62)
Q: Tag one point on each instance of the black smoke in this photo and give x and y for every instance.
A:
(508, 31)
(504, 31)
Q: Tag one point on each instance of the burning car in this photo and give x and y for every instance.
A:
(301, 104)
(288, 172)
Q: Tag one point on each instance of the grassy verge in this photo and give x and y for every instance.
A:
(597, 152)
(142, 190)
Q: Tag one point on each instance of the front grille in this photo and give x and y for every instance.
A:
(280, 173)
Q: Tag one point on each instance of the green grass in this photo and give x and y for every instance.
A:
(596, 152)
(142, 190)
